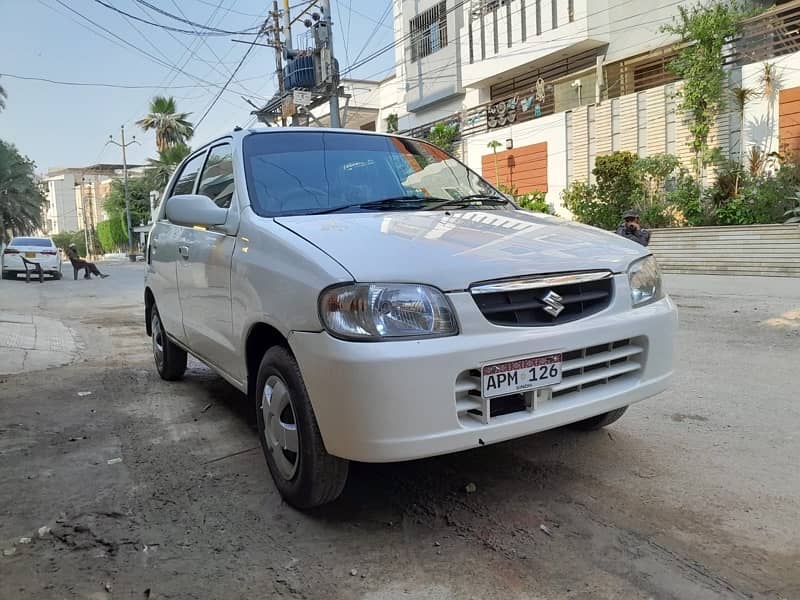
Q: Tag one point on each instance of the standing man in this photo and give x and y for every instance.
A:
(632, 229)
(79, 263)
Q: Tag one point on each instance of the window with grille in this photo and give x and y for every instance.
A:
(429, 31)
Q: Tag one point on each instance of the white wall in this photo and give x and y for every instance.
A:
(61, 202)
(551, 129)
(632, 27)
(761, 118)
(435, 77)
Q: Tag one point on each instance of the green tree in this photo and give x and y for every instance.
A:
(21, 199)
(112, 233)
(704, 29)
(161, 168)
(443, 135)
(172, 128)
(139, 189)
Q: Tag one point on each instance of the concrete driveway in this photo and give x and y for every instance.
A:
(154, 490)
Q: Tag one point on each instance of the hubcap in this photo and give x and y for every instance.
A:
(280, 426)
(158, 341)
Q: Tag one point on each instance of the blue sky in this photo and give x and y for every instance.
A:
(59, 125)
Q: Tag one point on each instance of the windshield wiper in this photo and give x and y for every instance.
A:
(410, 202)
(471, 199)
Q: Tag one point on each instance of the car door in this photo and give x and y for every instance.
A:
(162, 258)
(204, 272)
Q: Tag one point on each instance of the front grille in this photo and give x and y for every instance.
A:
(582, 369)
(527, 307)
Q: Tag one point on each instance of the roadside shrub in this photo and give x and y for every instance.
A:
(112, 234)
(685, 197)
(533, 201)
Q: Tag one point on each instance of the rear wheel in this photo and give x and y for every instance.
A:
(170, 359)
(9, 275)
(304, 473)
(600, 421)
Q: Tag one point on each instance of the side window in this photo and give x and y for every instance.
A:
(185, 183)
(216, 181)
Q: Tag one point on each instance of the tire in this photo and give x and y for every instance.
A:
(304, 473)
(599, 421)
(9, 275)
(170, 359)
(56, 275)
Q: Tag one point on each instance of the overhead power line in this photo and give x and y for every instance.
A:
(192, 23)
(125, 86)
(224, 87)
(152, 57)
(167, 27)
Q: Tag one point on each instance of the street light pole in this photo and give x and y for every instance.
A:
(123, 145)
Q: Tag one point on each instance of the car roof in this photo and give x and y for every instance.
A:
(32, 237)
(238, 134)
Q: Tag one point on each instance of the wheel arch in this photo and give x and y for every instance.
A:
(149, 303)
(260, 337)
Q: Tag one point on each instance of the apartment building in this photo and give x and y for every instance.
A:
(76, 195)
(559, 82)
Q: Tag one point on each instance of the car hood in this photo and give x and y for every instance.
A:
(453, 249)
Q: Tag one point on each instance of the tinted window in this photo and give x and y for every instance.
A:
(302, 172)
(185, 184)
(42, 242)
(217, 179)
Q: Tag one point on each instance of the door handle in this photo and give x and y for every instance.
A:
(184, 252)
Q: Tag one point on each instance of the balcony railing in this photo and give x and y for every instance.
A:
(775, 32)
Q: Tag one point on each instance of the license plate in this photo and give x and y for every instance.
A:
(30, 255)
(521, 375)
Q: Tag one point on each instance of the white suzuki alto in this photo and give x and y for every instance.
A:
(378, 301)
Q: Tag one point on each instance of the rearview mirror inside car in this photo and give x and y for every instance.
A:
(194, 209)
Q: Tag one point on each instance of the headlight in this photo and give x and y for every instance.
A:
(644, 277)
(378, 311)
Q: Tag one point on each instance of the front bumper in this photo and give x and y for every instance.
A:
(392, 401)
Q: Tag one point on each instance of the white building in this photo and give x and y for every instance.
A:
(557, 82)
(76, 195)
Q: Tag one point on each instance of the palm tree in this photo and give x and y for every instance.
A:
(161, 168)
(172, 128)
(21, 199)
(494, 145)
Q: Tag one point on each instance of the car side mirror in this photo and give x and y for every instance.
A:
(195, 209)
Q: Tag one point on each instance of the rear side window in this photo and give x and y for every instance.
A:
(186, 179)
(23, 241)
(216, 182)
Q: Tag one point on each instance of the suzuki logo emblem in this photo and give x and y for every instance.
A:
(553, 304)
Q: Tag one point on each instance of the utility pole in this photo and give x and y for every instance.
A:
(123, 145)
(276, 39)
(334, 84)
(287, 26)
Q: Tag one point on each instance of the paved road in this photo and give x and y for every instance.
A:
(158, 490)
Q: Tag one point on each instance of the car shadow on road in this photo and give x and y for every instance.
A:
(529, 469)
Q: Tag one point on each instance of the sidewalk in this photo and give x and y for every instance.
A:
(32, 343)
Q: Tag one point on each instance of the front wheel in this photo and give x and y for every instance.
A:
(304, 473)
(600, 420)
(9, 275)
(170, 359)
(56, 275)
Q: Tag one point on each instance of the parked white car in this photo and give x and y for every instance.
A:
(378, 301)
(40, 250)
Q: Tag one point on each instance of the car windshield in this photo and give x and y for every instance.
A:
(304, 172)
(27, 241)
